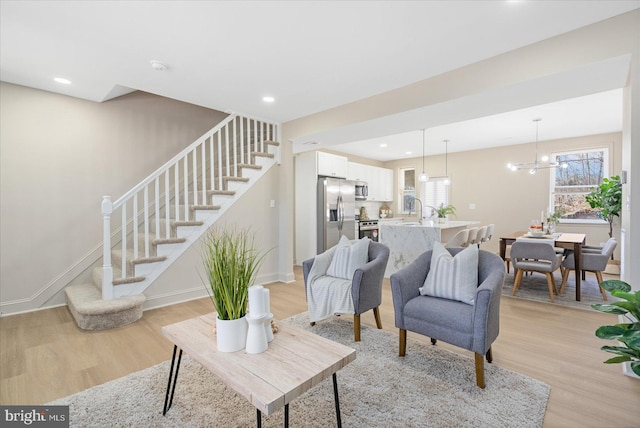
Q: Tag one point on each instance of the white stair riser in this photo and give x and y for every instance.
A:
(186, 231)
(166, 250)
(204, 215)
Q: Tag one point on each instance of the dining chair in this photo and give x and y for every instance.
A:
(460, 239)
(473, 233)
(591, 262)
(535, 257)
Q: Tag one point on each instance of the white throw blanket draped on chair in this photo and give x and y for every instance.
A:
(327, 295)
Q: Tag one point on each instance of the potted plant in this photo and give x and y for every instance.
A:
(607, 199)
(443, 211)
(626, 333)
(231, 262)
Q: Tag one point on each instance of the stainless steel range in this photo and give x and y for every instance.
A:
(368, 228)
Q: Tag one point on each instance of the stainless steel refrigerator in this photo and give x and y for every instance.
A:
(336, 211)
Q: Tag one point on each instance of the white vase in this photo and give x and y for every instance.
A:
(256, 336)
(231, 335)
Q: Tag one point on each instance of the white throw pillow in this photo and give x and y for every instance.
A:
(454, 278)
(348, 256)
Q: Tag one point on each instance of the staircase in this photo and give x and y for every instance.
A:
(149, 227)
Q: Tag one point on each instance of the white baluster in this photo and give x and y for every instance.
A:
(211, 163)
(146, 222)
(107, 269)
(124, 239)
(219, 151)
(157, 207)
(194, 173)
(135, 228)
(185, 196)
(242, 158)
(226, 148)
(176, 189)
(167, 204)
(204, 173)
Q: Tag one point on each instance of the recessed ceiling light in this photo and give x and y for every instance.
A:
(62, 80)
(383, 145)
(407, 153)
(268, 99)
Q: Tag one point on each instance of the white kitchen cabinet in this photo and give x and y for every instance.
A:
(331, 165)
(379, 180)
(386, 184)
(357, 172)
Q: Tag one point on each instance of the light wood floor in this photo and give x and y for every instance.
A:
(44, 356)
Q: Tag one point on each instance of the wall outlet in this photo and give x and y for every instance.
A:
(273, 203)
(472, 206)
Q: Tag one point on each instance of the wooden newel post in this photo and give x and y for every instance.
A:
(107, 270)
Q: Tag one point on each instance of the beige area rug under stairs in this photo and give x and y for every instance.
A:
(430, 387)
(85, 301)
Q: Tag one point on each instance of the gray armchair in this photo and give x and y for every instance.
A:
(595, 262)
(366, 286)
(472, 327)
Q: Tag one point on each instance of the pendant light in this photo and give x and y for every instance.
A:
(424, 177)
(534, 166)
(447, 180)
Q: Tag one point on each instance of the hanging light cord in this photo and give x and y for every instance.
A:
(423, 151)
(446, 158)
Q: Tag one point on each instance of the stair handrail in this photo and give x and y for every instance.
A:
(260, 127)
(173, 160)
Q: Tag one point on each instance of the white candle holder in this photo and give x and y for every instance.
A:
(256, 335)
(267, 327)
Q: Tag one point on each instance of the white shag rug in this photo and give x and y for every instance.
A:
(429, 387)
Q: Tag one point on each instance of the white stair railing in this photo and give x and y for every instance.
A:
(166, 194)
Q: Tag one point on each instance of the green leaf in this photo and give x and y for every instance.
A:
(620, 350)
(620, 359)
(609, 332)
(635, 367)
(615, 284)
(610, 309)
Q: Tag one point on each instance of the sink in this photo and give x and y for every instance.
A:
(411, 223)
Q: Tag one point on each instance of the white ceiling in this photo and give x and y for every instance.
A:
(309, 55)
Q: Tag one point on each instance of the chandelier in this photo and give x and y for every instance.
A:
(534, 166)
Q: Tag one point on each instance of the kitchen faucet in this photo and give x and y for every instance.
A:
(421, 217)
(414, 205)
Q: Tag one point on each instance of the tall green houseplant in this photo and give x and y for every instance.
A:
(231, 262)
(607, 199)
(628, 334)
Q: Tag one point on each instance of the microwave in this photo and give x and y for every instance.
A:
(362, 191)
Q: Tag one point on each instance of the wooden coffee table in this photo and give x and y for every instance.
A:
(295, 361)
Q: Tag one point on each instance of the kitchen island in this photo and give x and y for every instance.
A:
(406, 241)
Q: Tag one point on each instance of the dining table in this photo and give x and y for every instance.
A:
(571, 241)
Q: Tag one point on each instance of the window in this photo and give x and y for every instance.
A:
(570, 185)
(407, 186)
(435, 192)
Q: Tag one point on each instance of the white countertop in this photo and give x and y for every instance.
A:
(436, 225)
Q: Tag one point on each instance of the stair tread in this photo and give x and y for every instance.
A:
(221, 192)
(249, 165)
(188, 223)
(262, 154)
(204, 207)
(86, 299)
(230, 178)
(169, 241)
